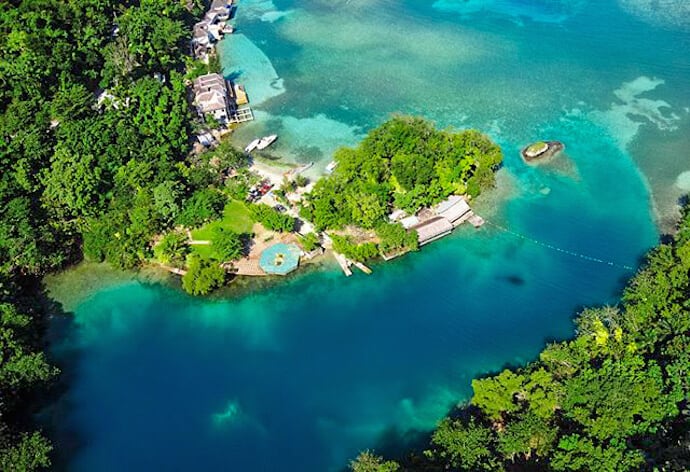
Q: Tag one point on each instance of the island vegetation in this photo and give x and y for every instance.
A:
(403, 164)
(614, 398)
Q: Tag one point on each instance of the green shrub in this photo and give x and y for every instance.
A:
(272, 219)
(173, 248)
(309, 242)
(203, 276)
(356, 252)
(394, 237)
(204, 205)
(227, 244)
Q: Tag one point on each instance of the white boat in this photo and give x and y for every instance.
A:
(331, 167)
(266, 141)
(253, 145)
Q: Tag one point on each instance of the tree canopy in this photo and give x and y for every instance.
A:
(404, 163)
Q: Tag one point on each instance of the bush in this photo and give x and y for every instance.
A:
(272, 219)
(394, 237)
(227, 244)
(173, 248)
(356, 252)
(204, 205)
(202, 276)
(301, 181)
(310, 242)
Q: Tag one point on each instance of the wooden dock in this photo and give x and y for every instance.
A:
(362, 267)
(476, 220)
(242, 115)
(343, 263)
(173, 270)
(240, 94)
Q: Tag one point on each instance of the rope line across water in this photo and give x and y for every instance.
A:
(558, 249)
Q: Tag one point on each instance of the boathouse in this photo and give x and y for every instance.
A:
(455, 209)
(432, 229)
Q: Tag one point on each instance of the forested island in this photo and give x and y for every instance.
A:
(614, 398)
(404, 165)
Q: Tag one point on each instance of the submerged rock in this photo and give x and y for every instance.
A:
(541, 150)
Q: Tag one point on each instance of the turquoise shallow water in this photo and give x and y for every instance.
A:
(302, 375)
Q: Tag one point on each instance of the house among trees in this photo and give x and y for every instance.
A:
(219, 11)
(211, 28)
(201, 42)
(211, 97)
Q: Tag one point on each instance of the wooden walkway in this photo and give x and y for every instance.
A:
(248, 267)
(346, 263)
(343, 263)
(362, 267)
(476, 220)
(173, 270)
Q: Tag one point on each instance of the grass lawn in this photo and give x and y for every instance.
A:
(204, 250)
(236, 216)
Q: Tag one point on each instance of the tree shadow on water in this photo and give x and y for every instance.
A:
(405, 447)
(56, 407)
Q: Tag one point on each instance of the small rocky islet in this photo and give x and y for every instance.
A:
(541, 151)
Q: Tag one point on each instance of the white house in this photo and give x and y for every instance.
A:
(211, 97)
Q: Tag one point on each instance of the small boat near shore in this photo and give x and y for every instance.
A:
(266, 141)
(253, 145)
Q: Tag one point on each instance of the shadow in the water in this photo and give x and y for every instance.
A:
(233, 76)
(406, 447)
(513, 279)
(63, 353)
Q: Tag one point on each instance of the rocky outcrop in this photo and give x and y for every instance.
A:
(541, 150)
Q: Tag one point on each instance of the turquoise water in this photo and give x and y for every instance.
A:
(303, 374)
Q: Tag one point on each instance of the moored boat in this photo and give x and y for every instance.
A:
(266, 141)
(253, 145)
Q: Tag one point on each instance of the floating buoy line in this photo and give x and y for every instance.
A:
(558, 249)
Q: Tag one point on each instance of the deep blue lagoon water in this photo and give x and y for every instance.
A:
(303, 374)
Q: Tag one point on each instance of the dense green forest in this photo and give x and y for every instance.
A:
(613, 399)
(94, 133)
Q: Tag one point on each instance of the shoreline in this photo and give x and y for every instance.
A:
(76, 284)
